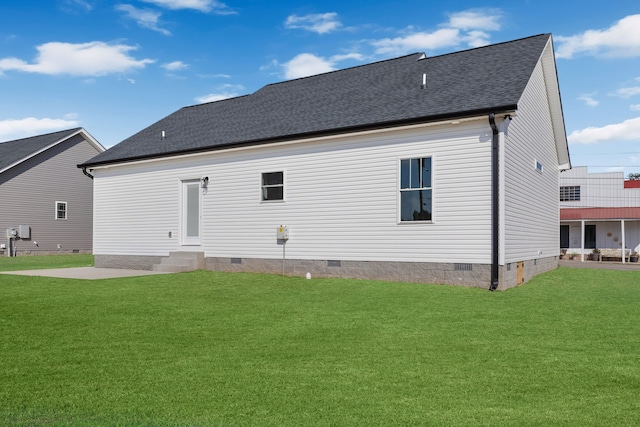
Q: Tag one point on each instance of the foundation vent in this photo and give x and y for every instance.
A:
(236, 260)
(463, 267)
(334, 263)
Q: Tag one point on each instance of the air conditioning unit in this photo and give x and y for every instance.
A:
(24, 231)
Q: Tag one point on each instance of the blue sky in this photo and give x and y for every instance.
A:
(114, 68)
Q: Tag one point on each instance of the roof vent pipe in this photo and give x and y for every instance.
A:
(424, 81)
(163, 134)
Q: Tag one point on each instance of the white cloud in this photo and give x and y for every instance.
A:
(86, 6)
(634, 107)
(320, 23)
(200, 5)
(476, 19)
(273, 63)
(82, 59)
(343, 57)
(11, 129)
(470, 27)
(306, 64)
(622, 39)
(175, 66)
(626, 130)
(476, 39)
(445, 37)
(225, 91)
(212, 97)
(588, 99)
(627, 92)
(145, 18)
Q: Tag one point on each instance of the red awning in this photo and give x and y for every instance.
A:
(632, 183)
(599, 213)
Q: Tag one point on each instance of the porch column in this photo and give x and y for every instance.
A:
(582, 241)
(624, 245)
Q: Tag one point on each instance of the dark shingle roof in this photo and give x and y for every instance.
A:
(386, 93)
(12, 152)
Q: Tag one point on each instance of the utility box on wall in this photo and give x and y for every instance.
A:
(283, 232)
(24, 231)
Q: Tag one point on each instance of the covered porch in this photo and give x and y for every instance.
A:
(610, 230)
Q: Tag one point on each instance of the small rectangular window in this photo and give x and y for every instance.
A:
(570, 193)
(415, 189)
(273, 186)
(61, 210)
(539, 167)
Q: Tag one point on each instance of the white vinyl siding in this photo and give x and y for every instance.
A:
(603, 189)
(530, 212)
(342, 199)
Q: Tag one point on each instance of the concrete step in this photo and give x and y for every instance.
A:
(180, 262)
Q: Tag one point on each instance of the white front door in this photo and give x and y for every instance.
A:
(191, 213)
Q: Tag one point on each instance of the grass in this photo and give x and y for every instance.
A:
(44, 262)
(205, 348)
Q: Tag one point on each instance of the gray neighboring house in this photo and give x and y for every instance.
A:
(436, 169)
(43, 195)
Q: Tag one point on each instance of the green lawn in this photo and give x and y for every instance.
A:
(44, 262)
(205, 348)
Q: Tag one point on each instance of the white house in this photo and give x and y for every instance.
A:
(436, 169)
(599, 210)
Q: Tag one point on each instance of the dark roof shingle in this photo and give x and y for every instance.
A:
(12, 152)
(385, 93)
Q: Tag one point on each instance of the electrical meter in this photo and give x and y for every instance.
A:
(283, 232)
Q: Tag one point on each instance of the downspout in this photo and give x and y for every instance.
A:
(84, 171)
(495, 201)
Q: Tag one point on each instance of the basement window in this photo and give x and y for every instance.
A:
(272, 186)
(61, 210)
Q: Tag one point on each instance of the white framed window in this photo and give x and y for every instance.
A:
(61, 210)
(272, 186)
(538, 166)
(416, 189)
(570, 193)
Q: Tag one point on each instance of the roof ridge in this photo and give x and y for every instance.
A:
(343, 69)
(489, 45)
(376, 95)
(219, 100)
(43, 135)
(422, 54)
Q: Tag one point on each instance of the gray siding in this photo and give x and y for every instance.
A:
(28, 193)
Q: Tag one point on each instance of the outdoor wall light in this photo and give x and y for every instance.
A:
(204, 181)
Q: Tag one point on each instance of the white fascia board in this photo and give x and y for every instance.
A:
(555, 105)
